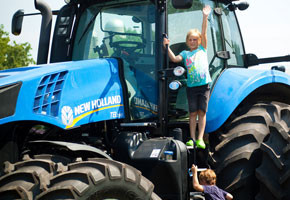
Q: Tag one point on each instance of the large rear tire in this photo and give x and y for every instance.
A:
(274, 172)
(238, 154)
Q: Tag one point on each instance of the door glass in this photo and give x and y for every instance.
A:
(179, 23)
(233, 39)
(126, 32)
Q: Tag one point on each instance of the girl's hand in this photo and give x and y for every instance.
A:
(206, 10)
(165, 42)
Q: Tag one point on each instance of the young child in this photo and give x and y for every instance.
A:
(198, 77)
(208, 185)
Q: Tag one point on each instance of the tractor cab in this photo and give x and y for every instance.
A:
(133, 32)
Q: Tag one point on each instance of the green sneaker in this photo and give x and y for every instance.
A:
(189, 143)
(200, 144)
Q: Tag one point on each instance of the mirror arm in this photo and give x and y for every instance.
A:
(252, 59)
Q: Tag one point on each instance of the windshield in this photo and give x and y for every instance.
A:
(126, 32)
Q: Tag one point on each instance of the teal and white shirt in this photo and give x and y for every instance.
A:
(197, 67)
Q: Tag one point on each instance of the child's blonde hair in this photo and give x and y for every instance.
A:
(208, 176)
(194, 32)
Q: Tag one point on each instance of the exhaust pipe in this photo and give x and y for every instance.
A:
(44, 38)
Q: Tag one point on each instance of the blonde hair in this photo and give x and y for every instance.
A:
(208, 176)
(194, 32)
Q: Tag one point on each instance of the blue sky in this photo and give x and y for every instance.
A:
(265, 25)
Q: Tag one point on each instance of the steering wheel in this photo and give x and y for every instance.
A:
(129, 46)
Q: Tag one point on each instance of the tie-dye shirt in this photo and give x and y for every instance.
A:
(197, 67)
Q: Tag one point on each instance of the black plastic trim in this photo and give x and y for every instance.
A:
(8, 99)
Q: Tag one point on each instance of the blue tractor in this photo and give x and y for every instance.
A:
(104, 114)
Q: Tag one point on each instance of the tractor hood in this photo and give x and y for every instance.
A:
(63, 94)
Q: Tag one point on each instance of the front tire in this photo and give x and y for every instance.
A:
(25, 179)
(56, 177)
(99, 179)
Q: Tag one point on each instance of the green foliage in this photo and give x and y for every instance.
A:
(15, 55)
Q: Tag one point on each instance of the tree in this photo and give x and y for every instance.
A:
(15, 55)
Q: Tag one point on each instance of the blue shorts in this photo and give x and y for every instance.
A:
(198, 98)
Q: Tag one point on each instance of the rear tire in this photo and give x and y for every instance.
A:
(274, 172)
(238, 153)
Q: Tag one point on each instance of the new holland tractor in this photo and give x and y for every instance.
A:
(104, 113)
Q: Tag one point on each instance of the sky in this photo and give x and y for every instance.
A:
(265, 26)
(31, 24)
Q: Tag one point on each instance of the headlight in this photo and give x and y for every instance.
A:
(178, 71)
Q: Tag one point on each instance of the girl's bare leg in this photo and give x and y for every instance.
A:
(192, 124)
(201, 124)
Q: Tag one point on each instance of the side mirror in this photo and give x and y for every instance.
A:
(17, 20)
(182, 4)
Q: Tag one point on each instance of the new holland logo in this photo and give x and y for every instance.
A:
(67, 115)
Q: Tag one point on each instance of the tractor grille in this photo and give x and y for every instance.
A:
(48, 94)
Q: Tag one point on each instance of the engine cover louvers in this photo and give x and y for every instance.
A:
(48, 94)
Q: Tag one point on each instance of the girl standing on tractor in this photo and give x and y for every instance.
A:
(198, 78)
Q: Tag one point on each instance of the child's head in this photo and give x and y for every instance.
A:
(207, 177)
(193, 38)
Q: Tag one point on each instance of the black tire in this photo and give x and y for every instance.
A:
(8, 152)
(238, 154)
(274, 172)
(51, 177)
(26, 179)
(99, 179)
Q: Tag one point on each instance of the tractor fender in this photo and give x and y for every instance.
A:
(232, 87)
(74, 148)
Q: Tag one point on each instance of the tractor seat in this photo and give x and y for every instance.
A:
(178, 47)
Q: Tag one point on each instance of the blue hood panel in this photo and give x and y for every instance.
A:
(232, 87)
(67, 94)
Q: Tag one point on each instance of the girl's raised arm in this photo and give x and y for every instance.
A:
(206, 11)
